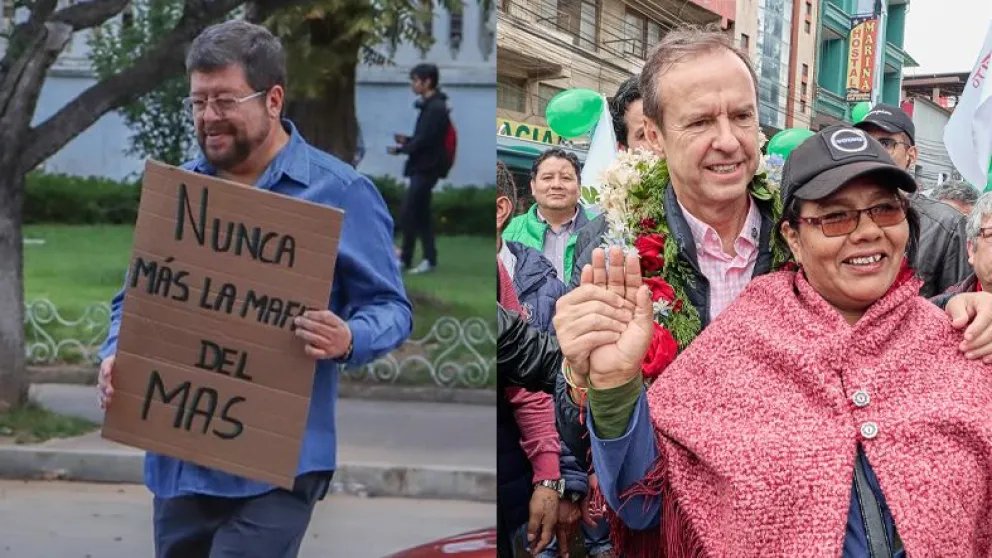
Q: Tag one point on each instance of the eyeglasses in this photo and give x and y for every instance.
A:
(889, 144)
(195, 106)
(985, 233)
(840, 223)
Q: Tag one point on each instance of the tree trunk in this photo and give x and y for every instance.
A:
(13, 373)
(329, 121)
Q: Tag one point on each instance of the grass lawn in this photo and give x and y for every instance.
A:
(32, 424)
(77, 266)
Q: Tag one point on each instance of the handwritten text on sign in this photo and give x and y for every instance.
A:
(208, 369)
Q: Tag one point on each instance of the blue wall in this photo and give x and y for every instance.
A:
(100, 150)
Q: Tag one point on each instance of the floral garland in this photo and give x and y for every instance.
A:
(633, 198)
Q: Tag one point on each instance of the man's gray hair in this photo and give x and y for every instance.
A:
(979, 213)
(958, 191)
(238, 42)
(680, 43)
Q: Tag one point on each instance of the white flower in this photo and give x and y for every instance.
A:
(620, 176)
(661, 309)
(771, 166)
(762, 140)
(618, 179)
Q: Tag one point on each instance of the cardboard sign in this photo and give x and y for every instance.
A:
(208, 368)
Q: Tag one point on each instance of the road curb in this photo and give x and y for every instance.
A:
(351, 389)
(362, 479)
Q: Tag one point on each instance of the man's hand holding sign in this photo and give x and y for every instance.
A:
(326, 335)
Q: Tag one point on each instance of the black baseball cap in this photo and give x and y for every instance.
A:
(836, 155)
(890, 118)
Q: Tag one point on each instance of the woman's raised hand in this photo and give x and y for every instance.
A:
(605, 325)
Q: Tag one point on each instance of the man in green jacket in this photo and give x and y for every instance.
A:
(551, 224)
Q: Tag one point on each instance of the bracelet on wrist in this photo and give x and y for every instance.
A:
(566, 371)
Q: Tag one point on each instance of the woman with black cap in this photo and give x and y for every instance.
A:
(826, 412)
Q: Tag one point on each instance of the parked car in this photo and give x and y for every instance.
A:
(474, 544)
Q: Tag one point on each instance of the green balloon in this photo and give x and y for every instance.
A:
(860, 111)
(573, 112)
(788, 139)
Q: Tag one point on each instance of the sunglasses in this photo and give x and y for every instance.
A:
(840, 223)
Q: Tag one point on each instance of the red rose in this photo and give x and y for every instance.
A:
(660, 290)
(660, 354)
(649, 224)
(651, 248)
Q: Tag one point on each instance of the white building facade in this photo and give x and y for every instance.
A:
(464, 51)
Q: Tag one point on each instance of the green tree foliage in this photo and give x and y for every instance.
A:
(160, 128)
(325, 40)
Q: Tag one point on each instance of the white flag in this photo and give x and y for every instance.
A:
(968, 134)
(602, 151)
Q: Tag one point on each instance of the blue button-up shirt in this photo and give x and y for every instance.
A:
(368, 293)
(624, 461)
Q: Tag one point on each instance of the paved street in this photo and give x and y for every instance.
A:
(70, 520)
(369, 431)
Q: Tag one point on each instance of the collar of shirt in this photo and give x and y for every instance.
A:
(292, 161)
(708, 240)
(565, 227)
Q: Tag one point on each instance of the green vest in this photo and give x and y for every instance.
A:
(528, 229)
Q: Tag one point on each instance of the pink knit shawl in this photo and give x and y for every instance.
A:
(758, 431)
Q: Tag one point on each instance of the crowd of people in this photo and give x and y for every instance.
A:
(833, 398)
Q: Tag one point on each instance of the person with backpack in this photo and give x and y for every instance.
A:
(430, 156)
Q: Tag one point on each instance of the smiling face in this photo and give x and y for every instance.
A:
(850, 271)
(230, 137)
(709, 129)
(555, 186)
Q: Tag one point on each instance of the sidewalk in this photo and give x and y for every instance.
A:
(385, 448)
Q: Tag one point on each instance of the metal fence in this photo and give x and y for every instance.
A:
(454, 353)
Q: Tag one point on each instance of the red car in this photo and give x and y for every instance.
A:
(474, 544)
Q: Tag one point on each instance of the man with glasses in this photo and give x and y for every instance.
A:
(237, 74)
(979, 248)
(942, 259)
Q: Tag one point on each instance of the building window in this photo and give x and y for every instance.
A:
(809, 27)
(428, 18)
(802, 89)
(805, 73)
(809, 17)
(127, 16)
(640, 34)
(579, 18)
(544, 94)
(802, 106)
(511, 94)
(809, 9)
(745, 41)
(455, 29)
(7, 17)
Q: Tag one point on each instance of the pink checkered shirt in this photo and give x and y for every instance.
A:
(727, 275)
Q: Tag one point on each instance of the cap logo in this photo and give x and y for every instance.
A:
(849, 141)
(879, 111)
